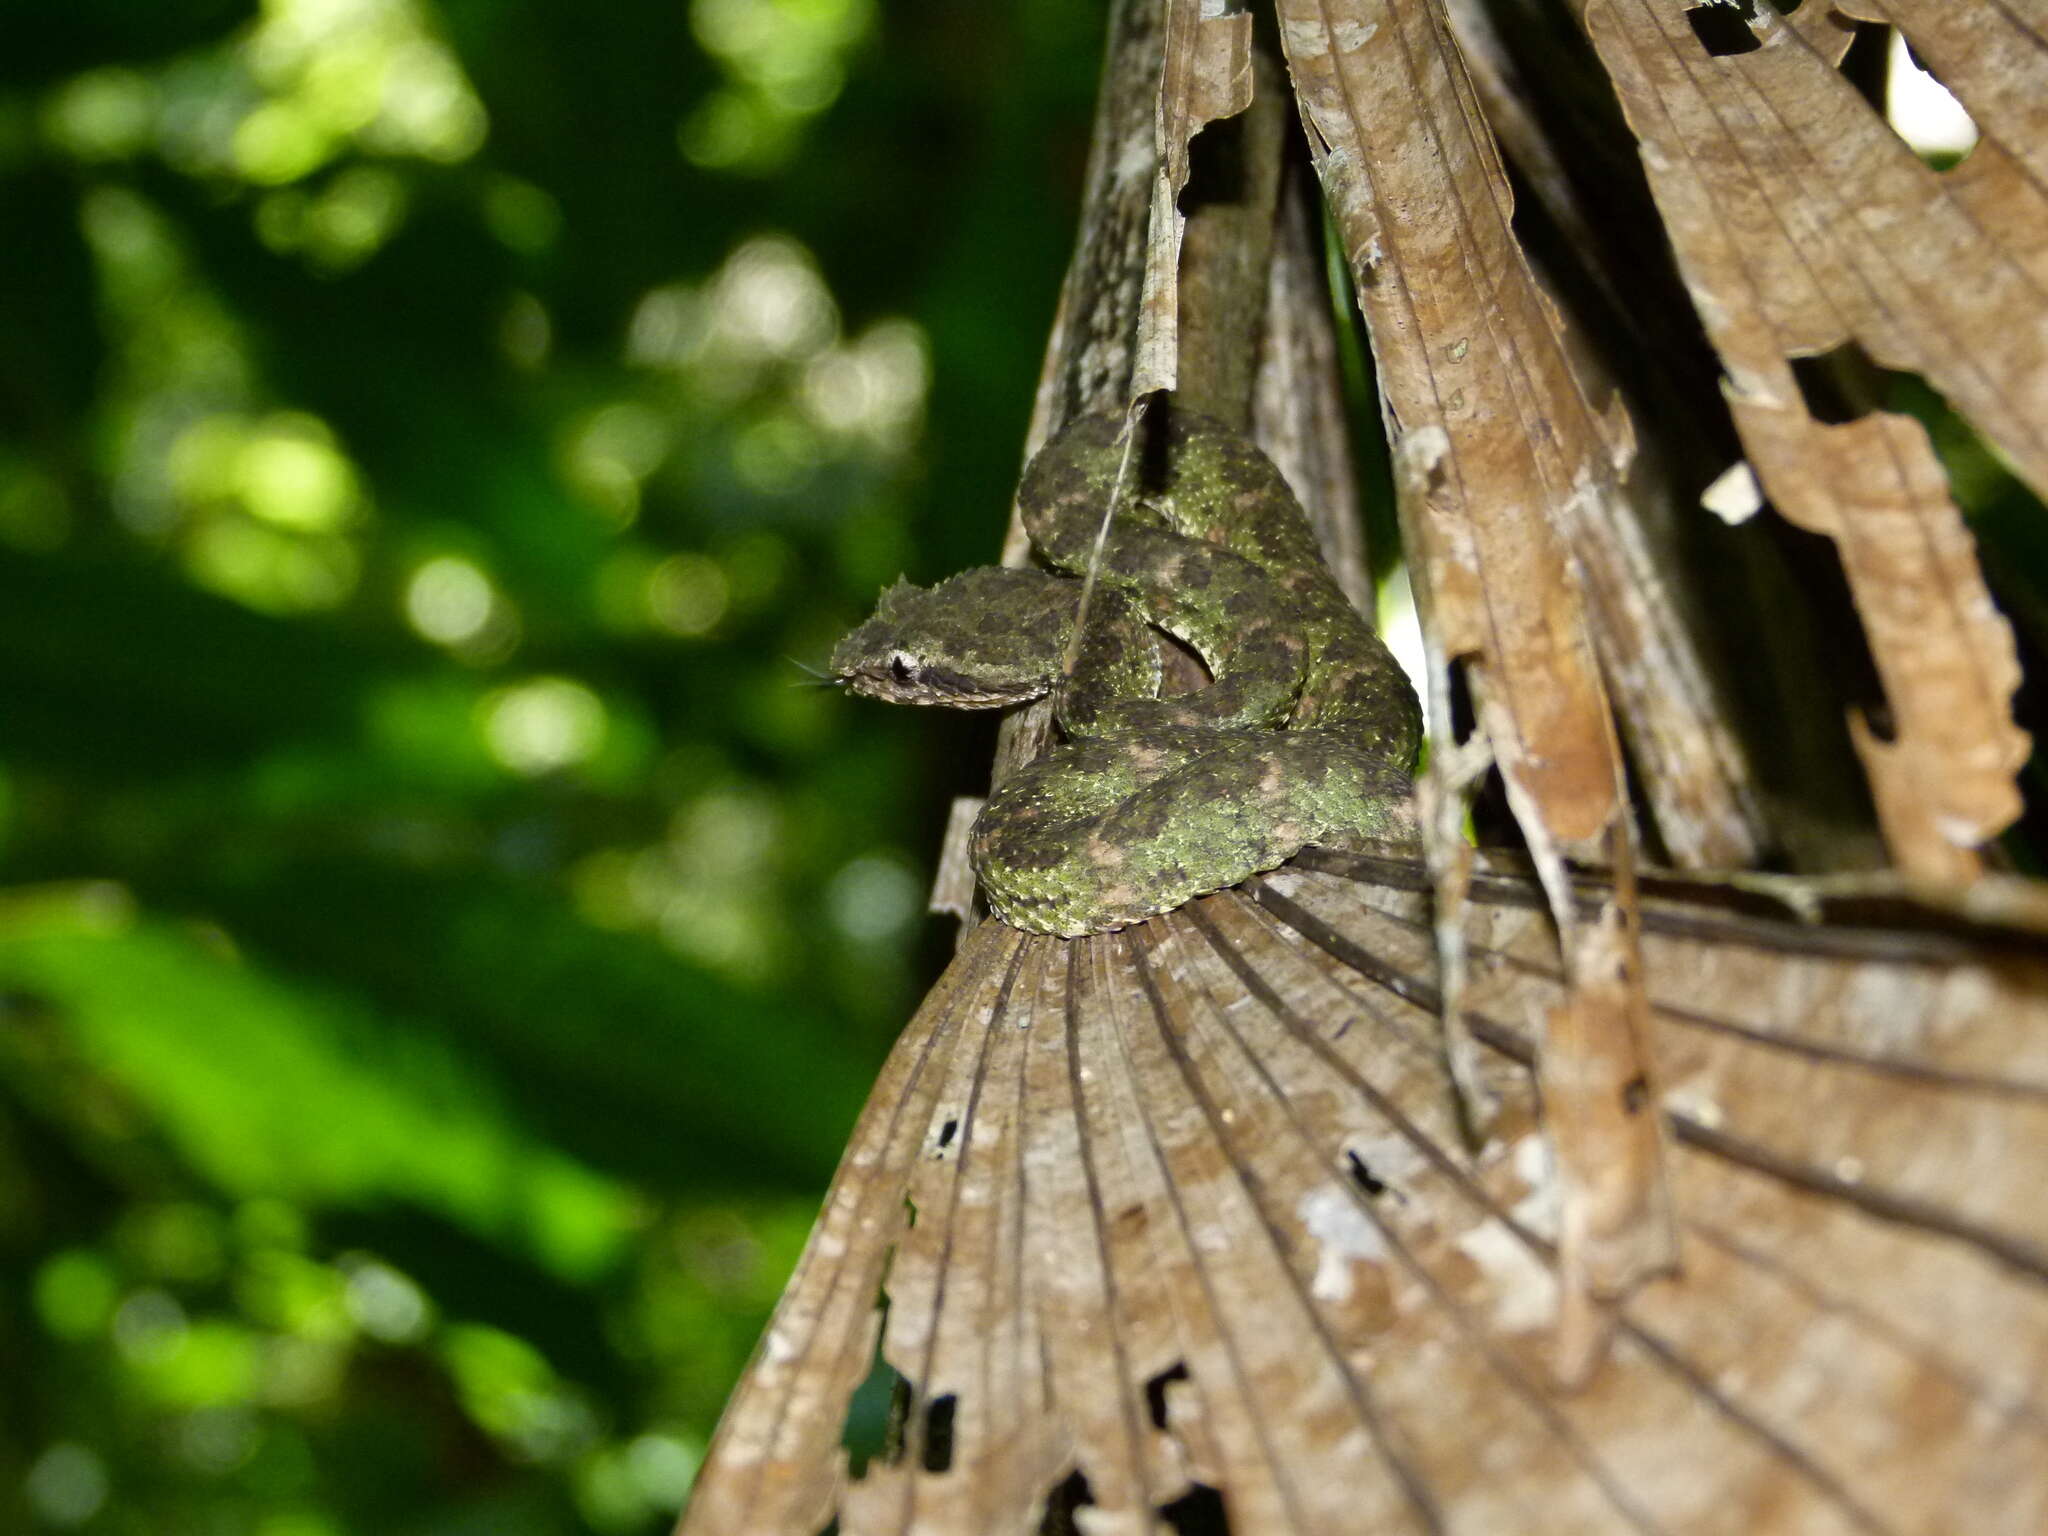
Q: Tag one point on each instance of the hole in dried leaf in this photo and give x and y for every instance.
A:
(1198, 1512)
(1923, 111)
(2025, 843)
(1067, 1495)
(1217, 166)
(878, 1409)
(1867, 61)
(1723, 29)
(1364, 1177)
(1635, 1093)
(1489, 814)
(1155, 1391)
(1842, 384)
(909, 1212)
(947, 1132)
(1464, 717)
(938, 1433)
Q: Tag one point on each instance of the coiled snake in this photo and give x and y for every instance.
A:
(1304, 736)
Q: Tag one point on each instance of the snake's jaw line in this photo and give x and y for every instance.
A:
(904, 680)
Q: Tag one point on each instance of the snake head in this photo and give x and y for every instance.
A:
(984, 639)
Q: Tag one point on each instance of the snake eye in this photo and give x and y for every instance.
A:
(902, 668)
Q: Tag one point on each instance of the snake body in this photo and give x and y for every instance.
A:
(1304, 736)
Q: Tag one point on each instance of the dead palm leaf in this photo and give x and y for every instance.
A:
(1191, 1227)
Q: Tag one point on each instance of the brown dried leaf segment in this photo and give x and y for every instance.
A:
(1491, 433)
(1206, 74)
(1498, 453)
(1802, 222)
(1692, 771)
(1182, 1217)
(1614, 1206)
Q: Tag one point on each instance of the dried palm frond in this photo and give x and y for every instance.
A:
(1445, 1191)
(1184, 1217)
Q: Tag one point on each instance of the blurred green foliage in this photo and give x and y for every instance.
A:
(442, 948)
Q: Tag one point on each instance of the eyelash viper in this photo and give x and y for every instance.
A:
(1304, 736)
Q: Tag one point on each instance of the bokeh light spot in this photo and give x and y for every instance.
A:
(449, 600)
(130, 238)
(349, 222)
(775, 455)
(268, 570)
(429, 108)
(284, 469)
(667, 327)
(544, 725)
(610, 451)
(769, 299)
(75, 1293)
(874, 387)
(300, 1373)
(150, 1326)
(103, 114)
(279, 142)
(362, 72)
(730, 130)
(635, 437)
(526, 334)
(726, 832)
(68, 1484)
(872, 898)
(386, 1304)
(216, 1441)
(687, 594)
(725, 932)
(290, 474)
(521, 215)
(785, 60)
(214, 1363)
(342, 84)
(295, 1295)
(664, 1466)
